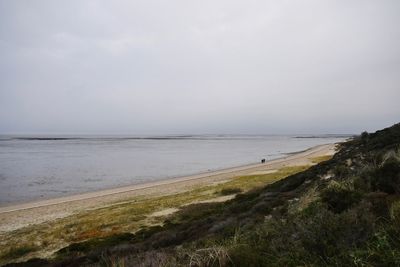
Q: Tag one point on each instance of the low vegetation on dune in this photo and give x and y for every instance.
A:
(107, 225)
(344, 211)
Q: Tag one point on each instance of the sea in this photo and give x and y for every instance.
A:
(43, 167)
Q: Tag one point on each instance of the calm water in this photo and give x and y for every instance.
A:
(32, 168)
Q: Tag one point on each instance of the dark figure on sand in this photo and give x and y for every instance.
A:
(263, 161)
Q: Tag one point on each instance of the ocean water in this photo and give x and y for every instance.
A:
(34, 168)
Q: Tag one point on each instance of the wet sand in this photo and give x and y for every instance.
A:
(16, 216)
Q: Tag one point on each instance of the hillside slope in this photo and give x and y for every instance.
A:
(343, 212)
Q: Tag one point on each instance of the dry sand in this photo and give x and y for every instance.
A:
(20, 215)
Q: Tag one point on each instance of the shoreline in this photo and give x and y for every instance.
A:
(14, 217)
(138, 186)
(41, 189)
(233, 171)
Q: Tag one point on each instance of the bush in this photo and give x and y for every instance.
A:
(341, 171)
(229, 191)
(245, 255)
(16, 252)
(387, 177)
(362, 183)
(382, 249)
(364, 136)
(340, 197)
(313, 237)
(395, 212)
(95, 243)
(291, 183)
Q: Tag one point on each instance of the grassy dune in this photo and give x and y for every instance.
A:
(44, 239)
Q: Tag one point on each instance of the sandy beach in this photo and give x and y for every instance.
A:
(13, 217)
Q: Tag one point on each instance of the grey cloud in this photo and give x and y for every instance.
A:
(138, 67)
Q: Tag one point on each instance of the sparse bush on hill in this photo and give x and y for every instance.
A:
(341, 171)
(387, 177)
(364, 136)
(340, 197)
(230, 191)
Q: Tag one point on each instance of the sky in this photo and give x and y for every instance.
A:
(195, 67)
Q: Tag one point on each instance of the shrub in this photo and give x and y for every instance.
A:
(380, 205)
(16, 252)
(95, 243)
(382, 249)
(340, 197)
(312, 237)
(245, 255)
(387, 177)
(229, 191)
(211, 256)
(362, 183)
(364, 136)
(395, 212)
(341, 171)
(291, 183)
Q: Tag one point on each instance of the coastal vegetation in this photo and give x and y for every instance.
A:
(343, 211)
(108, 224)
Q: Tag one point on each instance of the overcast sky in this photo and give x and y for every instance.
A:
(164, 67)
